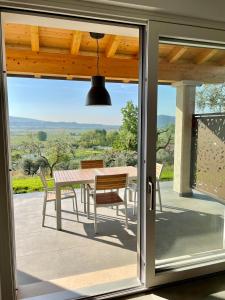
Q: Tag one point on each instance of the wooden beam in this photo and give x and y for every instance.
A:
(222, 62)
(26, 62)
(34, 38)
(75, 43)
(205, 55)
(112, 46)
(52, 64)
(66, 51)
(176, 54)
(170, 72)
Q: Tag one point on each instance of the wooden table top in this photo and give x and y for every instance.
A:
(66, 177)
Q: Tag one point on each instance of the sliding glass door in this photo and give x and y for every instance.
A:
(49, 66)
(184, 170)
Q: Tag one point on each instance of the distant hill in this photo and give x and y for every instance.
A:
(26, 124)
(164, 120)
(21, 124)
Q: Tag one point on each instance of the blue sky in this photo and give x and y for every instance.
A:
(64, 100)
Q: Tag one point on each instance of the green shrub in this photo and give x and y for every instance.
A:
(119, 158)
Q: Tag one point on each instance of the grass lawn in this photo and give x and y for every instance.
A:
(27, 184)
(167, 173)
(33, 184)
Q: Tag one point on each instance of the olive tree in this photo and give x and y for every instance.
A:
(52, 153)
(211, 97)
(42, 136)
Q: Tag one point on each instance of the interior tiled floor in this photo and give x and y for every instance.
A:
(77, 261)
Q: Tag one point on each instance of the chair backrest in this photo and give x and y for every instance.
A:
(159, 168)
(111, 182)
(42, 177)
(90, 164)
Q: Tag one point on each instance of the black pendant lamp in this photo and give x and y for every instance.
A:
(98, 94)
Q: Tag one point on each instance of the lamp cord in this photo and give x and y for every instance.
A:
(97, 57)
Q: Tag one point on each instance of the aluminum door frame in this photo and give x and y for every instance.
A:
(10, 262)
(157, 31)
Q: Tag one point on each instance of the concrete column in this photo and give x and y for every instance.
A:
(185, 106)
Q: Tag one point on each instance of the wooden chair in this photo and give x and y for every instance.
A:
(89, 164)
(109, 186)
(50, 195)
(133, 187)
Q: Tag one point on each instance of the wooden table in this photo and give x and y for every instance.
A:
(84, 176)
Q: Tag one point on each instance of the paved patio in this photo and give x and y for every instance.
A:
(186, 226)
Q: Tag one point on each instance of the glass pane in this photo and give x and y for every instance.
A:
(190, 167)
(52, 132)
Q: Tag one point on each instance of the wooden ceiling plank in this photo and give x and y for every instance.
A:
(112, 46)
(176, 54)
(48, 64)
(52, 64)
(205, 56)
(34, 38)
(75, 43)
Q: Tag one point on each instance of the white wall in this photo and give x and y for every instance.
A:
(207, 9)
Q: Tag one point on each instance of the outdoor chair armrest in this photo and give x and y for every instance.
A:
(69, 187)
(50, 179)
(132, 186)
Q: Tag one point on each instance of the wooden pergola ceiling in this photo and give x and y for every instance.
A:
(49, 52)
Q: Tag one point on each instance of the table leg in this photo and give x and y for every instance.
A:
(58, 208)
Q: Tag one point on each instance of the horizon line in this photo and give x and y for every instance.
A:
(76, 121)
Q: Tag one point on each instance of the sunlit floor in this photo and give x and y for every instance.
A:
(188, 225)
(76, 259)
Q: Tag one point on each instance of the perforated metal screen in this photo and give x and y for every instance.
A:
(208, 154)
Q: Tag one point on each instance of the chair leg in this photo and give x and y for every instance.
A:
(126, 221)
(73, 203)
(75, 200)
(159, 194)
(85, 199)
(125, 204)
(117, 210)
(81, 193)
(95, 218)
(130, 196)
(44, 212)
(88, 204)
(135, 202)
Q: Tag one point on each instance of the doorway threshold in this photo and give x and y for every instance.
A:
(83, 285)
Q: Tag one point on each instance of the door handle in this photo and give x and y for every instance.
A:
(151, 192)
